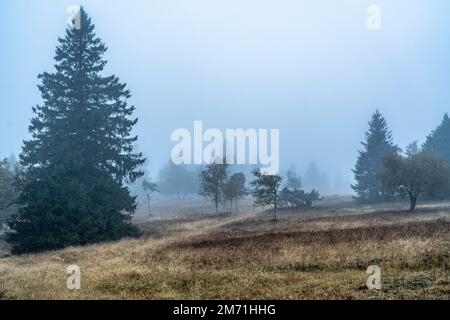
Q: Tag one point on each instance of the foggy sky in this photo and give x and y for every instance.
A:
(309, 68)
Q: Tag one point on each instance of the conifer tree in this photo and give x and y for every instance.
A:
(80, 153)
(378, 143)
(438, 142)
(294, 181)
(412, 149)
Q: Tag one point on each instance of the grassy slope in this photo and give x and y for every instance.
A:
(319, 254)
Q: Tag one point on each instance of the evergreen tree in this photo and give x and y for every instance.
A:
(377, 144)
(412, 149)
(80, 154)
(438, 142)
(294, 181)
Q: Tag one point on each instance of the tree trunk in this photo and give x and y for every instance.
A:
(413, 202)
(275, 205)
(149, 205)
(235, 203)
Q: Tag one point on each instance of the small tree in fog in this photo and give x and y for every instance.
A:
(212, 181)
(265, 190)
(149, 188)
(235, 188)
(422, 174)
(294, 181)
(178, 180)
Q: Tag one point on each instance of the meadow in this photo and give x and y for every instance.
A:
(186, 252)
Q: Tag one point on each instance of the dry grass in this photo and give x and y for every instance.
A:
(321, 253)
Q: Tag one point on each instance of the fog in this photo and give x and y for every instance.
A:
(311, 69)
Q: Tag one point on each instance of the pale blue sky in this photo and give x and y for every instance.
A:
(310, 68)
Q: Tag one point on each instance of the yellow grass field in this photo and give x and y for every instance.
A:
(321, 253)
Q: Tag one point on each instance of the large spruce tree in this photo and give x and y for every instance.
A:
(438, 142)
(378, 142)
(80, 153)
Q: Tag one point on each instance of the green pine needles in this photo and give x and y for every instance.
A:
(80, 153)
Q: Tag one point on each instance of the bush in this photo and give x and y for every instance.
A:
(298, 198)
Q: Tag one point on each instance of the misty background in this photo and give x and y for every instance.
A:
(309, 68)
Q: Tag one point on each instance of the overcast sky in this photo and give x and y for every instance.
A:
(310, 68)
